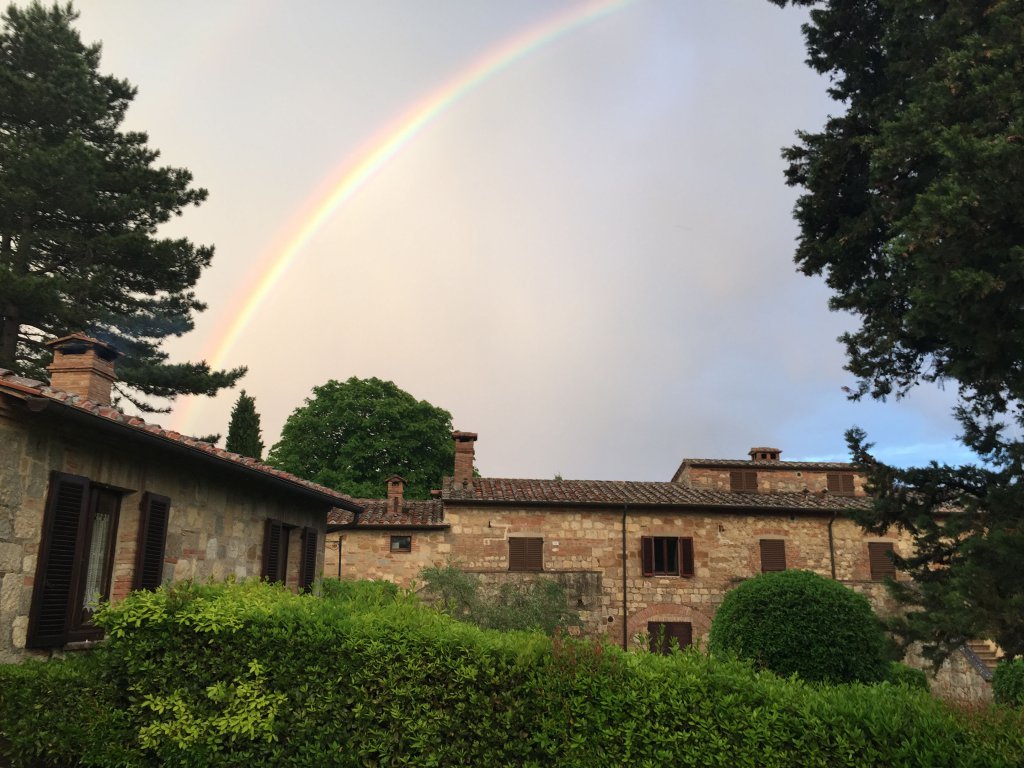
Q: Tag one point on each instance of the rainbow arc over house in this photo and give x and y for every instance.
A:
(359, 167)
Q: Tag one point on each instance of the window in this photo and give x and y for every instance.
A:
(149, 558)
(276, 541)
(275, 551)
(840, 484)
(667, 556)
(669, 635)
(773, 555)
(307, 563)
(401, 543)
(880, 557)
(743, 480)
(76, 555)
(526, 554)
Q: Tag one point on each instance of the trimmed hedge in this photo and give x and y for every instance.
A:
(1008, 683)
(249, 674)
(800, 623)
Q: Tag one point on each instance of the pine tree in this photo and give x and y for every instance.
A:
(912, 213)
(80, 206)
(244, 434)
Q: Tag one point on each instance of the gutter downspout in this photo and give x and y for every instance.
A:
(625, 610)
(832, 546)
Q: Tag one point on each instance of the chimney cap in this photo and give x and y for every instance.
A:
(763, 453)
(396, 478)
(464, 437)
(76, 343)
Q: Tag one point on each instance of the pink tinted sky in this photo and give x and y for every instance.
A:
(586, 258)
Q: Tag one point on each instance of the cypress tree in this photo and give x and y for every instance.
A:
(244, 434)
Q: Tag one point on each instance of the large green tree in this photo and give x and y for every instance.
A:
(913, 211)
(81, 203)
(244, 433)
(353, 435)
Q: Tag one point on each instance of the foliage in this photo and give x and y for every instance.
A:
(797, 622)
(540, 603)
(250, 674)
(244, 428)
(353, 435)
(901, 674)
(911, 211)
(80, 205)
(1008, 683)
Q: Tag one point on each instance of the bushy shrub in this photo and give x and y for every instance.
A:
(515, 605)
(797, 622)
(252, 675)
(1008, 683)
(902, 674)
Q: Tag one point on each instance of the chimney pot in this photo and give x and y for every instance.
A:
(83, 366)
(396, 490)
(764, 454)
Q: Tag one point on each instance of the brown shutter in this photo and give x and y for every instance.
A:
(56, 568)
(666, 635)
(535, 554)
(154, 512)
(880, 557)
(773, 555)
(686, 556)
(742, 480)
(272, 550)
(307, 567)
(840, 484)
(647, 555)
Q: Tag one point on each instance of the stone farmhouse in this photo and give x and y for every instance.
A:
(639, 560)
(95, 503)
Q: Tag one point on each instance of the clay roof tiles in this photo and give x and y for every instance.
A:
(412, 513)
(490, 490)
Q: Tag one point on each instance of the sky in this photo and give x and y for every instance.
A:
(564, 222)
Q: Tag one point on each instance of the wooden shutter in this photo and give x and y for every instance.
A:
(773, 555)
(57, 566)
(307, 566)
(686, 556)
(525, 554)
(667, 635)
(880, 557)
(742, 480)
(154, 513)
(272, 536)
(647, 555)
(840, 484)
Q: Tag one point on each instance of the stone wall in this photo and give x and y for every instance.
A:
(781, 479)
(216, 523)
(367, 554)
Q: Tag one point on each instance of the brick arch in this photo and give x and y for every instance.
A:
(698, 616)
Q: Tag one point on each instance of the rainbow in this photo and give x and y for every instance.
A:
(359, 167)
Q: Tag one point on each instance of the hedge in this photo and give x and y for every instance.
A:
(249, 674)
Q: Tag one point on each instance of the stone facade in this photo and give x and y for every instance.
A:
(219, 505)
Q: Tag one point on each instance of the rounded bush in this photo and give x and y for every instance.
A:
(1008, 683)
(797, 622)
(901, 674)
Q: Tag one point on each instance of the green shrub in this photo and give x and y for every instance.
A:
(252, 675)
(901, 674)
(797, 622)
(1008, 683)
(515, 605)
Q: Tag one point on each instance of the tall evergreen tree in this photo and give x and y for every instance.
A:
(80, 206)
(244, 434)
(912, 211)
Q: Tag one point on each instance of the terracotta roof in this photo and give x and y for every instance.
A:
(72, 404)
(491, 490)
(413, 513)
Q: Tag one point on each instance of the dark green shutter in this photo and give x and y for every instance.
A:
(154, 514)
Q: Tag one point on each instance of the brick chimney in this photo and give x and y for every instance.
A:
(396, 492)
(764, 454)
(464, 454)
(83, 366)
